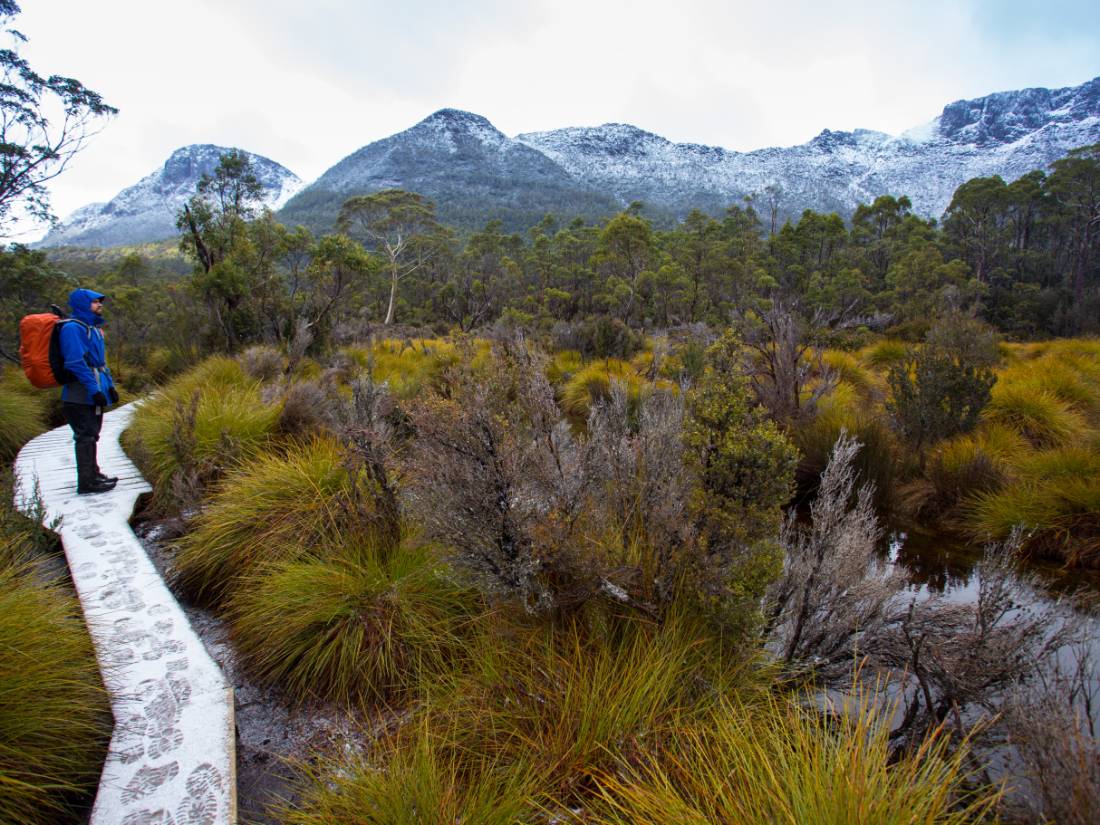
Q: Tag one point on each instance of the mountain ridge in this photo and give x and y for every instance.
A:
(474, 172)
(146, 210)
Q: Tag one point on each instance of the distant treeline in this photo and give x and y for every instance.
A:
(1021, 255)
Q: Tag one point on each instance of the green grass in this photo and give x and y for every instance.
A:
(23, 411)
(779, 763)
(54, 717)
(411, 366)
(568, 700)
(278, 507)
(196, 428)
(418, 783)
(592, 383)
(362, 626)
(884, 354)
(1037, 414)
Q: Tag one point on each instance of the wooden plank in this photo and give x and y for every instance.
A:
(172, 754)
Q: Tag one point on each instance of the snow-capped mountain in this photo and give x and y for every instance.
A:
(475, 173)
(147, 210)
(1006, 134)
(461, 161)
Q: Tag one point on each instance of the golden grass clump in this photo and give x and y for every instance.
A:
(775, 761)
(199, 426)
(566, 701)
(592, 383)
(1056, 498)
(563, 366)
(278, 507)
(884, 354)
(848, 369)
(365, 624)
(419, 783)
(54, 715)
(23, 412)
(843, 408)
(1038, 415)
(410, 366)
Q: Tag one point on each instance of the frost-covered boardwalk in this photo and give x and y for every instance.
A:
(171, 760)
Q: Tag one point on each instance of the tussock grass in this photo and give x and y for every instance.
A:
(23, 412)
(410, 366)
(365, 625)
(278, 507)
(420, 783)
(1057, 499)
(563, 366)
(777, 762)
(1037, 414)
(843, 409)
(592, 383)
(197, 427)
(568, 700)
(971, 464)
(54, 716)
(850, 371)
(884, 354)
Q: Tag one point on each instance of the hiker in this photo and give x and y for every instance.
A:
(84, 400)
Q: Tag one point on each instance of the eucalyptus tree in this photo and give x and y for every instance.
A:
(44, 122)
(399, 225)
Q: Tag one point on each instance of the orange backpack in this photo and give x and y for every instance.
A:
(40, 349)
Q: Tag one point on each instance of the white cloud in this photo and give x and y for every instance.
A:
(306, 84)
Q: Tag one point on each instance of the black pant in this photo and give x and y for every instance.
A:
(86, 422)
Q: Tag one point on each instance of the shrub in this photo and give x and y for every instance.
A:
(262, 363)
(307, 409)
(53, 709)
(279, 508)
(943, 387)
(935, 395)
(745, 469)
(361, 624)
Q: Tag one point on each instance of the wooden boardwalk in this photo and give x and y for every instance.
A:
(172, 756)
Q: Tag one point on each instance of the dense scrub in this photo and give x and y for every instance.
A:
(601, 617)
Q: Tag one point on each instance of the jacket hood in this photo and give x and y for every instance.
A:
(81, 302)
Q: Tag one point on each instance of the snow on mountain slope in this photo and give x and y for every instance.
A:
(147, 210)
(1008, 133)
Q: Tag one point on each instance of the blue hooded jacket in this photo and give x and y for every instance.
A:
(84, 352)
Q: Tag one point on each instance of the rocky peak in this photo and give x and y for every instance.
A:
(1005, 117)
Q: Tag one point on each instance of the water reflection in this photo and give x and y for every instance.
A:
(947, 565)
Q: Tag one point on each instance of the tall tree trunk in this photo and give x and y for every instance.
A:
(393, 296)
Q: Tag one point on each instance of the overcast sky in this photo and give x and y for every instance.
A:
(305, 84)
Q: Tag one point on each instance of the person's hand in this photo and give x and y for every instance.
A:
(99, 399)
(112, 393)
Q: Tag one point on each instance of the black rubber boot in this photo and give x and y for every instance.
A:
(86, 479)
